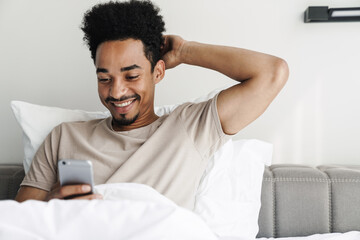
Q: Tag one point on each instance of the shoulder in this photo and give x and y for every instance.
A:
(78, 126)
(195, 108)
(199, 102)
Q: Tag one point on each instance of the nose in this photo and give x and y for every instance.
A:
(118, 88)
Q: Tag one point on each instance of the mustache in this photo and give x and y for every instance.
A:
(123, 98)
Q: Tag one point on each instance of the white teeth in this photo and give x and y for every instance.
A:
(123, 104)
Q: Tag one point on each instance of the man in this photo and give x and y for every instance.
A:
(170, 152)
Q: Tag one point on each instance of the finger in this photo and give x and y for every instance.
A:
(89, 197)
(70, 190)
(165, 40)
(164, 49)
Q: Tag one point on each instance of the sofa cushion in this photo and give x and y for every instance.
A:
(301, 200)
(10, 179)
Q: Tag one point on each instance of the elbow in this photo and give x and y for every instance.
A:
(280, 73)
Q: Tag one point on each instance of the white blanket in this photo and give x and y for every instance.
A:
(139, 212)
(130, 211)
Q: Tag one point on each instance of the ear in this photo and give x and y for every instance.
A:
(159, 71)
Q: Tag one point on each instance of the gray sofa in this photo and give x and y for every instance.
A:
(296, 200)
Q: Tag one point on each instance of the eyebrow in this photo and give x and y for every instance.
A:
(101, 70)
(129, 68)
(124, 69)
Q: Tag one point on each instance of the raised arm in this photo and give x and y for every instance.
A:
(260, 76)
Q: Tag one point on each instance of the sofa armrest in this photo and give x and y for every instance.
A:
(301, 200)
(10, 178)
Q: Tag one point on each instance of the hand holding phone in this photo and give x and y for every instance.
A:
(73, 172)
(76, 181)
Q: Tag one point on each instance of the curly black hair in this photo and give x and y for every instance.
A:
(139, 20)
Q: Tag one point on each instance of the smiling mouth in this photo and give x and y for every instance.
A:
(123, 107)
(124, 104)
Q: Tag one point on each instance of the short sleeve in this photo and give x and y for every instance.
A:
(43, 171)
(202, 124)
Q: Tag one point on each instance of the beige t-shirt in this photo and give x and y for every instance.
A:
(169, 155)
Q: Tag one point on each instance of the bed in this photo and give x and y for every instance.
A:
(297, 202)
(240, 196)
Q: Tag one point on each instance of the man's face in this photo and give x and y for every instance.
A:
(126, 83)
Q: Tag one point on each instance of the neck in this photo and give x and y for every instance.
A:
(142, 121)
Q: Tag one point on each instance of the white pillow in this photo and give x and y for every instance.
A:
(229, 195)
(37, 121)
(233, 176)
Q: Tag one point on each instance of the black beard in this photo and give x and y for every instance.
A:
(123, 121)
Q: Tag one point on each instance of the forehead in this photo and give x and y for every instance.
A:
(121, 53)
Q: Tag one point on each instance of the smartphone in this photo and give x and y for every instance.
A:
(72, 171)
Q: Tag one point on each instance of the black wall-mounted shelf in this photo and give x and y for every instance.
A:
(326, 14)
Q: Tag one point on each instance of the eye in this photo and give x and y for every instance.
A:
(132, 77)
(104, 80)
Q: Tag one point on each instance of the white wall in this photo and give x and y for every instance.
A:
(314, 120)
